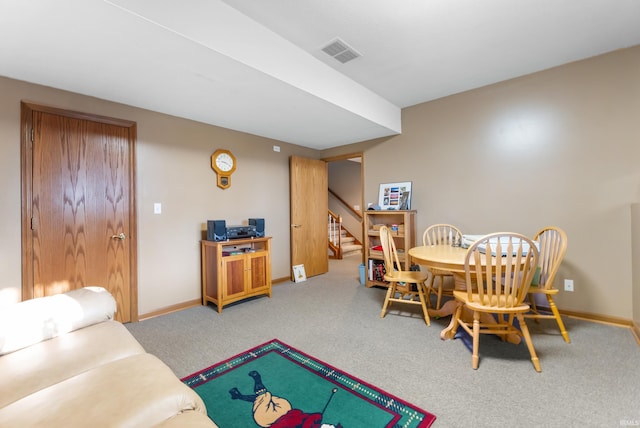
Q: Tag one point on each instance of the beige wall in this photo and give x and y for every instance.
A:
(559, 147)
(173, 168)
(564, 144)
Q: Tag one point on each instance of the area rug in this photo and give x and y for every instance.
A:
(276, 385)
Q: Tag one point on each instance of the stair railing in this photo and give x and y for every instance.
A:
(335, 234)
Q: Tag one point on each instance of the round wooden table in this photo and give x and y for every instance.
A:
(448, 258)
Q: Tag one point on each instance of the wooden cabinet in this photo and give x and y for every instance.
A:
(404, 238)
(235, 270)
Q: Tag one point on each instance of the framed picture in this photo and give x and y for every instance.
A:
(395, 196)
(299, 274)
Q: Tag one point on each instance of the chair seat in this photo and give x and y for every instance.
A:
(406, 276)
(536, 289)
(477, 305)
(405, 286)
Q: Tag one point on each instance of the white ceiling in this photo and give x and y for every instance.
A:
(258, 67)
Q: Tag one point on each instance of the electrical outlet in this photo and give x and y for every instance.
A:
(568, 285)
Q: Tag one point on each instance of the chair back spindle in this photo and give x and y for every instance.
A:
(553, 246)
(510, 259)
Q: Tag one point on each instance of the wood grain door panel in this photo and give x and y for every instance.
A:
(79, 205)
(309, 210)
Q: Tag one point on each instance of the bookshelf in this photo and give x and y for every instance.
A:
(404, 238)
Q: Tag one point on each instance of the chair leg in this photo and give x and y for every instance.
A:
(556, 314)
(476, 339)
(423, 298)
(527, 338)
(391, 291)
(532, 303)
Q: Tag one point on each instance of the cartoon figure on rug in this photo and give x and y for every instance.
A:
(276, 412)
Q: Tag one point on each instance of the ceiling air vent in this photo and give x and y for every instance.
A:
(340, 51)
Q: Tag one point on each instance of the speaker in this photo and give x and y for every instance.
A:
(259, 224)
(216, 230)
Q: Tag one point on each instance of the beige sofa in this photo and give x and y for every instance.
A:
(64, 362)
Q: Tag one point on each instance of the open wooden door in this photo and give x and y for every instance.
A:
(309, 203)
(78, 219)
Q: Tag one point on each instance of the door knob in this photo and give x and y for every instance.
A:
(121, 237)
(296, 225)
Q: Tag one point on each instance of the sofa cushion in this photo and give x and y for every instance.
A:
(35, 320)
(51, 361)
(137, 391)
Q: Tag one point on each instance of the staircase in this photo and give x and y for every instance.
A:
(348, 244)
(341, 242)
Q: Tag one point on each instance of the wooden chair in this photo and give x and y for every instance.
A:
(441, 234)
(552, 242)
(404, 286)
(499, 268)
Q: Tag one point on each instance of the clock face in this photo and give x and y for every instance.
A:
(224, 162)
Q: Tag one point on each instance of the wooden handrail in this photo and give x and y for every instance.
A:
(346, 204)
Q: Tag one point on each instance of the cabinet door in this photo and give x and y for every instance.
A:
(233, 276)
(258, 272)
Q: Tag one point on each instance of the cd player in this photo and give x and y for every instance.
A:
(238, 232)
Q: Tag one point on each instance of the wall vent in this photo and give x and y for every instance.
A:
(340, 51)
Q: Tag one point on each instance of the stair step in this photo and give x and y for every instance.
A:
(351, 253)
(349, 248)
(347, 240)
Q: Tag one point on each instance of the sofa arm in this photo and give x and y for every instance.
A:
(35, 320)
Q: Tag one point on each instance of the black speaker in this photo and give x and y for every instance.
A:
(259, 224)
(216, 230)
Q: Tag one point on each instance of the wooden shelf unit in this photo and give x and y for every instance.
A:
(404, 238)
(228, 277)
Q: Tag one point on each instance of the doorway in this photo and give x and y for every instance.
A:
(78, 205)
(346, 191)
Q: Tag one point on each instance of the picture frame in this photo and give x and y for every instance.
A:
(299, 275)
(395, 196)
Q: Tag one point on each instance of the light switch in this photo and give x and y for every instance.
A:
(157, 208)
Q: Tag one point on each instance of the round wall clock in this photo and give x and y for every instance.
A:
(224, 164)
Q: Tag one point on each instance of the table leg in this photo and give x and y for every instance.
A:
(448, 308)
(450, 331)
(467, 316)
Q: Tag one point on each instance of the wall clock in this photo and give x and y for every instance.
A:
(224, 164)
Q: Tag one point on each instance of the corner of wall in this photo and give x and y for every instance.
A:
(635, 272)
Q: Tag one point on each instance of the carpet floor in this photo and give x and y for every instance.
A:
(276, 385)
(594, 381)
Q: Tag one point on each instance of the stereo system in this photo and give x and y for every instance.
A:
(259, 224)
(217, 230)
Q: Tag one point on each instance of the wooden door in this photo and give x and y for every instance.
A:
(78, 205)
(308, 180)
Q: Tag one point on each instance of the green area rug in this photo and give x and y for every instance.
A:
(276, 385)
